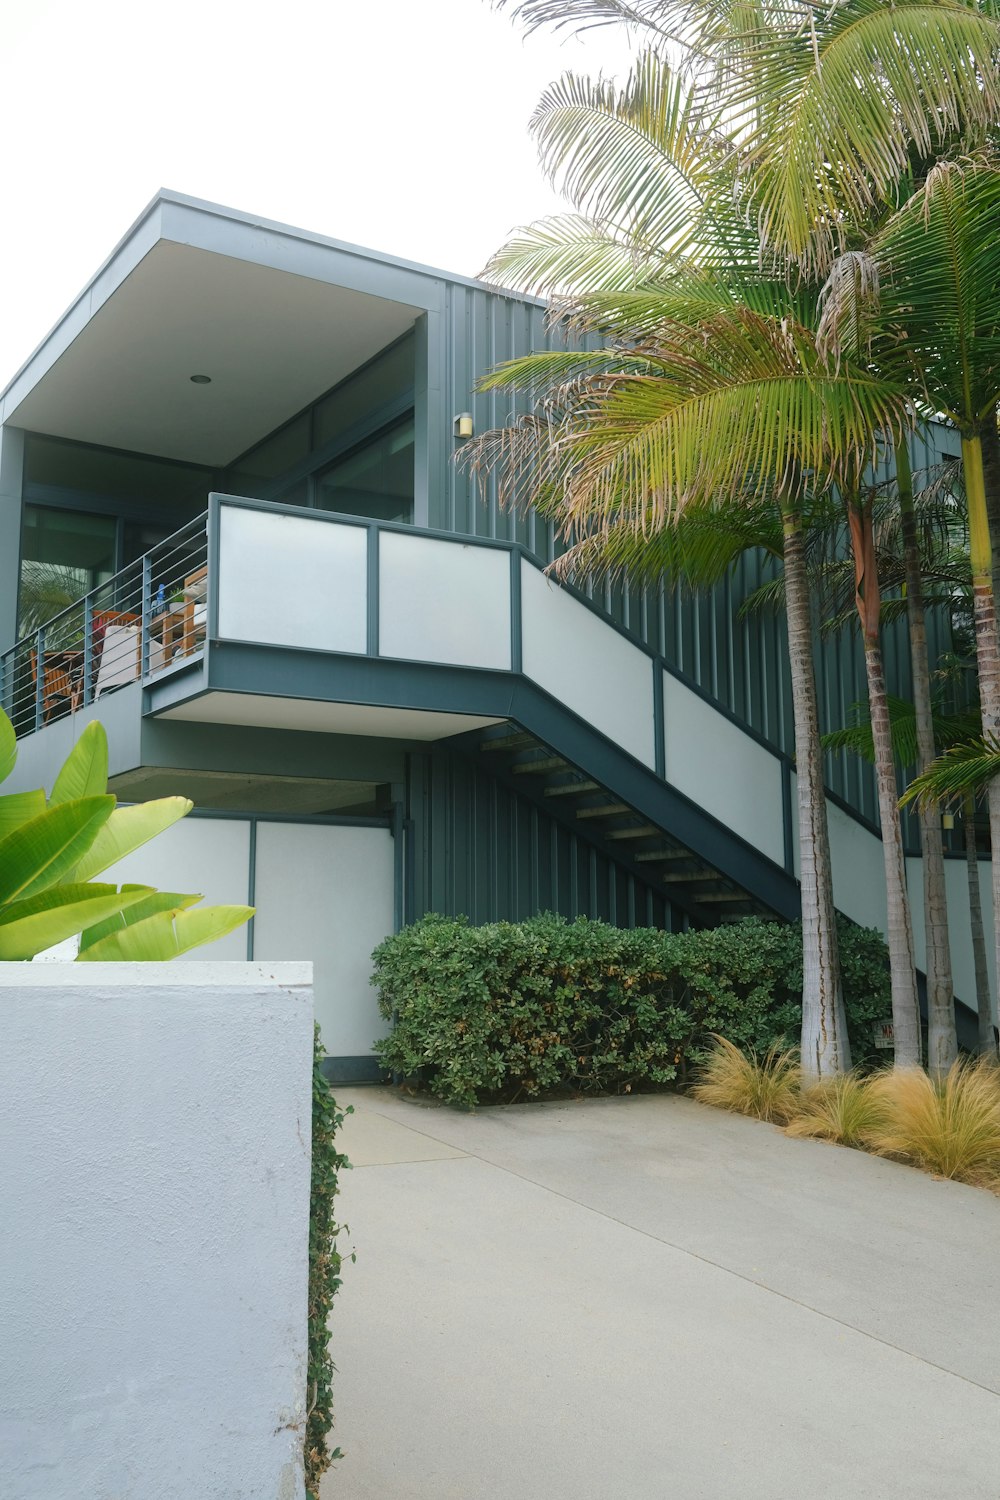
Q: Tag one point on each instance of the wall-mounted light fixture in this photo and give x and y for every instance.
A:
(201, 379)
(463, 424)
(947, 821)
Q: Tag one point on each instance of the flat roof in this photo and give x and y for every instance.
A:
(274, 315)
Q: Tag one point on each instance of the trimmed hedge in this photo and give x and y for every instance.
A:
(522, 1008)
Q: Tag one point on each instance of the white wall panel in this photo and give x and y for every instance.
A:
(210, 855)
(444, 601)
(292, 581)
(326, 894)
(722, 769)
(858, 870)
(574, 655)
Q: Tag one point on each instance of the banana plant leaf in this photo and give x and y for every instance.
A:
(128, 828)
(19, 807)
(148, 906)
(85, 770)
(167, 934)
(8, 746)
(29, 927)
(45, 849)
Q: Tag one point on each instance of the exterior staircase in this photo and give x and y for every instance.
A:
(706, 896)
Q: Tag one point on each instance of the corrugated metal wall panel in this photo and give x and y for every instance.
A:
(479, 848)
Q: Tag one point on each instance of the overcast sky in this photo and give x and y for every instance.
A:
(401, 125)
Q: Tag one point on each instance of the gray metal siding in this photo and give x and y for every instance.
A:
(480, 849)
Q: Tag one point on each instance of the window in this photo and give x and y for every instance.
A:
(64, 553)
(375, 480)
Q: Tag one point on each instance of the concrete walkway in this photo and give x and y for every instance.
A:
(646, 1298)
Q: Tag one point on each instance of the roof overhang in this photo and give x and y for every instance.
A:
(274, 317)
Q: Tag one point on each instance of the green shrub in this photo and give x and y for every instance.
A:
(512, 1009)
(325, 1263)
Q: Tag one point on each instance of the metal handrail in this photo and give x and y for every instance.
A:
(124, 630)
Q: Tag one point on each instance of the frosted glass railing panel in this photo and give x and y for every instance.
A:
(578, 658)
(292, 581)
(444, 601)
(858, 869)
(722, 769)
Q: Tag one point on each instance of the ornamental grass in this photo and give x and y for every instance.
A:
(846, 1109)
(766, 1087)
(950, 1127)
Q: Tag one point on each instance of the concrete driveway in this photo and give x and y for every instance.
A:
(647, 1298)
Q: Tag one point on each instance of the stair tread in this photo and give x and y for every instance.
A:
(572, 788)
(537, 767)
(603, 810)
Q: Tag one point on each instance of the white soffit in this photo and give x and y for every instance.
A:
(270, 341)
(327, 718)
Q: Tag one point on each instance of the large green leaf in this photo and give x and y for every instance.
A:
(19, 807)
(167, 934)
(45, 849)
(148, 906)
(129, 828)
(8, 746)
(29, 927)
(85, 772)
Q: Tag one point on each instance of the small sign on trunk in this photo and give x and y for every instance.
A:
(882, 1032)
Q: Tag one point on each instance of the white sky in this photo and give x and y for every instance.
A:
(401, 125)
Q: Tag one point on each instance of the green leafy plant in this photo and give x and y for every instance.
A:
(325, 1263)
(52, 847)
(766, 1086)
(518, 1009)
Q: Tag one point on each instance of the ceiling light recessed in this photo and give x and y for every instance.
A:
(201, 380)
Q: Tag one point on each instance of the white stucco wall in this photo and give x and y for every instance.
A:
(154, 1197)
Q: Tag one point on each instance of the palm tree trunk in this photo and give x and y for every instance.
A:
(984, 1005)
(987, 652)
(942, 1038)
(991, 483)
(825, 1047)
(902, 972)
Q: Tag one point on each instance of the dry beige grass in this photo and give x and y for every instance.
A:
(950, 1128)
(767, 1088)
(847, 1109)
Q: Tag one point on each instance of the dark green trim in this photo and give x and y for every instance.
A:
(345, 1070)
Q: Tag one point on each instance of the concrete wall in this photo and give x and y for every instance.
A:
(155, 1202)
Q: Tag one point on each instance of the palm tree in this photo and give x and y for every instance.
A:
(935, 266)
(660, 259)
(829, 105)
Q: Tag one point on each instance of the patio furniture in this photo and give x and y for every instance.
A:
(195, 610)
(62, 680)
(121, 657)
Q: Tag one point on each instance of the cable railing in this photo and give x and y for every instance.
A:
(147, 617)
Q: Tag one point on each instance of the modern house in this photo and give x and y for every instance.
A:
(232, 462)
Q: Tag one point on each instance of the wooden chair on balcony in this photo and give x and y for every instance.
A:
(62, 681)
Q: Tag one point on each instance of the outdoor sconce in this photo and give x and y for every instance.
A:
(463, 425)
(947, 821)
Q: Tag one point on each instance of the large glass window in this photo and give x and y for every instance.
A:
(375, 480)
(64, 553)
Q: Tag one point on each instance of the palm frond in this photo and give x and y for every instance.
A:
(939, 265)
(964, 771)
(833, 102)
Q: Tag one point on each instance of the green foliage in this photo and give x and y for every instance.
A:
(325, 1263)
(512, 1009)
(51, 847)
